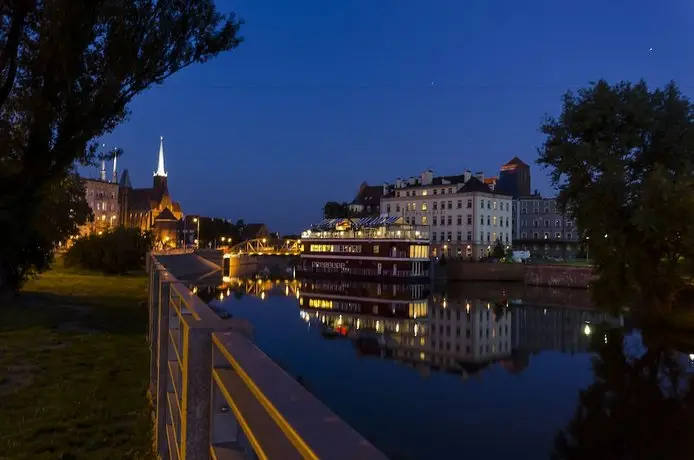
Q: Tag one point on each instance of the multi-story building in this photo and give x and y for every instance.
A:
(102, 197)
(368, 200)
(543, 228)
(466, 217)
(514, 178)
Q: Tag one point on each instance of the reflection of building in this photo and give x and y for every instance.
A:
(102, 197)
(372, 247)
(542, 228)
(466, 215)
(406, 323)
(152, 208)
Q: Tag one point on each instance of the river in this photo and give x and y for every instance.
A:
(478, 371)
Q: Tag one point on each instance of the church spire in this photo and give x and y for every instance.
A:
(161, 172)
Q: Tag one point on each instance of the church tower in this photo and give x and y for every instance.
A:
(160, 175)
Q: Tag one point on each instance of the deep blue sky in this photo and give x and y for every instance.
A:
(324, 94)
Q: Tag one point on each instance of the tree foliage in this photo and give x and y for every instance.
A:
(117, 251)
(68, 70)
(622, 157)
(498, 250)
(336, 210)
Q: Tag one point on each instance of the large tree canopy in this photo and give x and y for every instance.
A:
(622, 157)
(68, 70)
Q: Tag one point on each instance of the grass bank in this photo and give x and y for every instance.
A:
(74, 367)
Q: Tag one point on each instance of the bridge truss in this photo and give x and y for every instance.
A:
(266, 246)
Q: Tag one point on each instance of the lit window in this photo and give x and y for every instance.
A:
(424, 220)
(424, 206)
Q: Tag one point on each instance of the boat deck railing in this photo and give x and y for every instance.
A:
(216, 395)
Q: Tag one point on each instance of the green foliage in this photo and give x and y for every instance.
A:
(34, 224)
(336, 210)
(622, 157)
(68, 71)
(117, 251)
(498, 250)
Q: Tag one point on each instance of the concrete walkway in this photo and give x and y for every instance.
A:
(190, 267)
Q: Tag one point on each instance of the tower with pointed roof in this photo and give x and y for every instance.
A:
(152, 209)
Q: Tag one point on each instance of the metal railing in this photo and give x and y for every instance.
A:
(217, 396)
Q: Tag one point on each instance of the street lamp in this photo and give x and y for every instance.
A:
(197, 234)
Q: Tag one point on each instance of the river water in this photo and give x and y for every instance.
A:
(476, 372)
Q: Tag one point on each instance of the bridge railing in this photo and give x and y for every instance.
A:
(216, 395)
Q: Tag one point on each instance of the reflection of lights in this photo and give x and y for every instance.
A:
(262, 295)
(415, 330)
(397, 327)
(286, 290)
(422, 356)
(489, 305)
(228, 292)
(445, 304)
(358, 323)
(378, 326)
(586, 330)
(545, 311)
(297, 293)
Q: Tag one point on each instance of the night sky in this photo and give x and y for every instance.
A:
(325, 94)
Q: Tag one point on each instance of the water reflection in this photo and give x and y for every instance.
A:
(363, 349)
(640, 406)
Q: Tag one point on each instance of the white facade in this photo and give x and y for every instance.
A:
(465, 221)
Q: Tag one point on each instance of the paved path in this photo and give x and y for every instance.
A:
(190, 267)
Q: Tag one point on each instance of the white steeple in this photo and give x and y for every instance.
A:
(160, 167)
(103, 170)
(115, 168)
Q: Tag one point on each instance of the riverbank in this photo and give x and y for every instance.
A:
(74, 368)
(542, 275)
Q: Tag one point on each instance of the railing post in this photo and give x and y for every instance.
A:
(196, 348)
(162, 367)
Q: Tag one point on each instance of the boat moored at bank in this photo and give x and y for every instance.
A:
(374, 247)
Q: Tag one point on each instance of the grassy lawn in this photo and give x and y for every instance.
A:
(74, 367)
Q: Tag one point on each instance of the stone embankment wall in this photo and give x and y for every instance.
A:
(531, 275)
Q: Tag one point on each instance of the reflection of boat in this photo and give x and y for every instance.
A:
(368, 248)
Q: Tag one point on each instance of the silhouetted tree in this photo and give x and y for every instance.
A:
(622, 157)
(68, 70)
(498, 250)
(336, 210)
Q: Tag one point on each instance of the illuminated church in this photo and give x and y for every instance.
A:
(152, 208)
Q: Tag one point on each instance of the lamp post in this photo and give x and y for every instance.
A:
(197, 234)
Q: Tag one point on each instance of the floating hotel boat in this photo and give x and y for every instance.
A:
(372, 247)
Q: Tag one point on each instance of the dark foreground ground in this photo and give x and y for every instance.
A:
(74, 369)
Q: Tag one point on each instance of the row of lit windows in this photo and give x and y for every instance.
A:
(419, 252)
(536, 223)
(490, 204)
(328, 265)
(546, 236)
(491, 236)
(349, 248)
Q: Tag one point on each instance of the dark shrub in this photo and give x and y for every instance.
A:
(116, 251)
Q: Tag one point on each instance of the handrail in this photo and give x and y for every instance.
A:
(216, 395)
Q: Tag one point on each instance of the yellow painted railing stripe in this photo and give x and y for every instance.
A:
(288, 430)
(257, 448)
